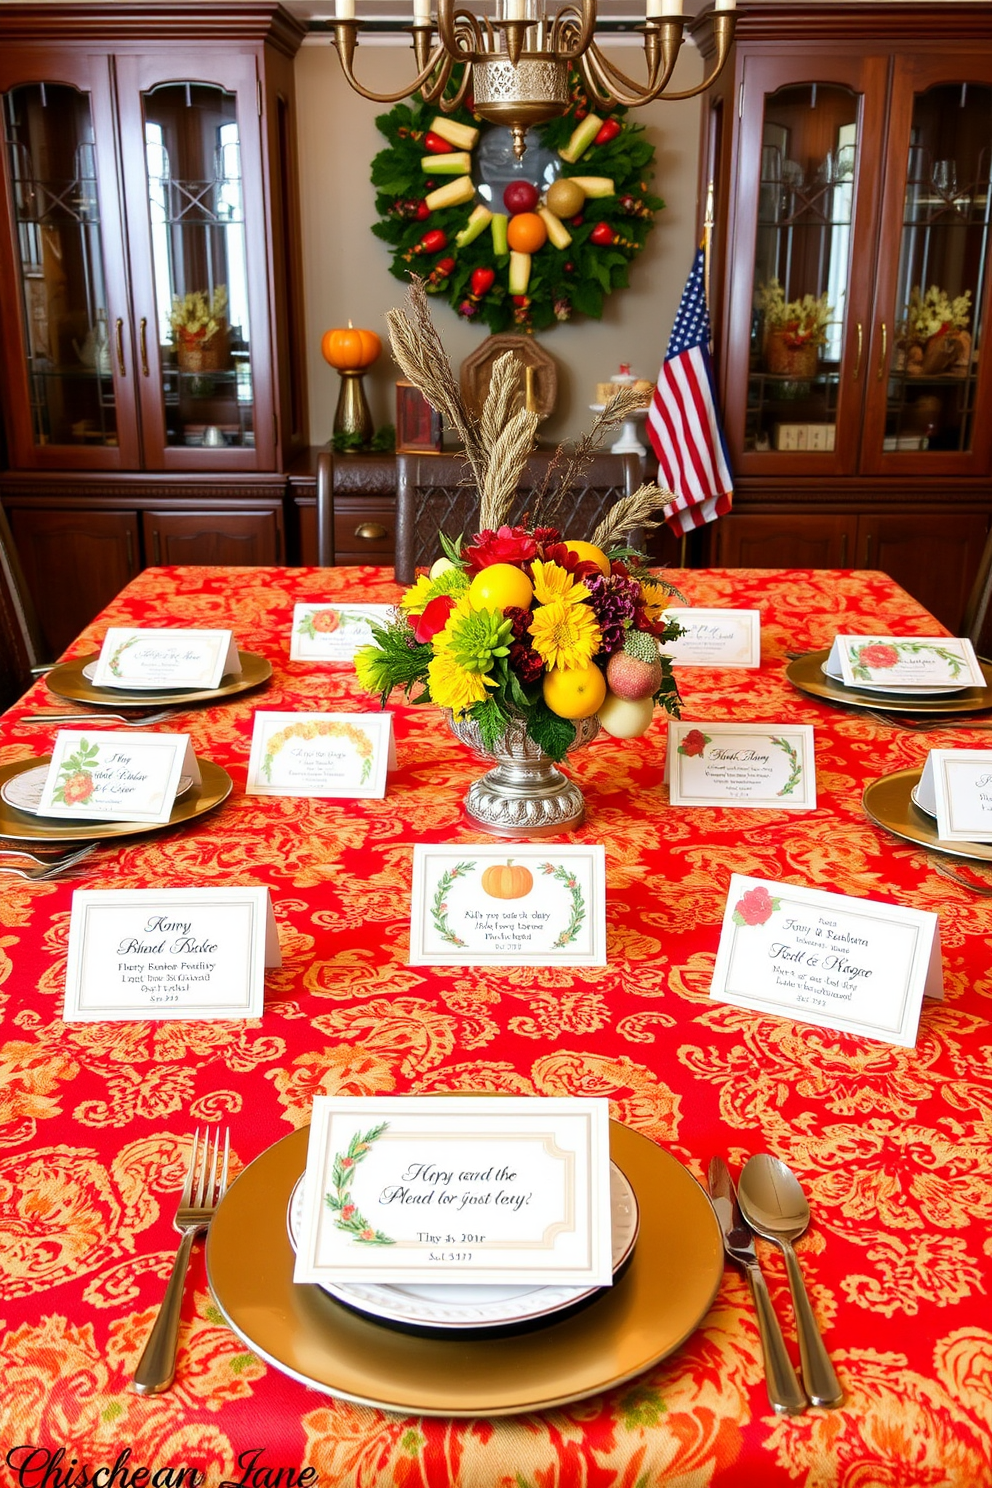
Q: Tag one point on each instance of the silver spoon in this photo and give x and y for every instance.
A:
(774, 1204)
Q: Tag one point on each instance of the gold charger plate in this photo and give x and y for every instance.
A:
(67, 681)
(215, 786)
(805, 673)
(889, 802)
(665, 1293)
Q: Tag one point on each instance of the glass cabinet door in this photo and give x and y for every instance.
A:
(72, 342)
(941, 261)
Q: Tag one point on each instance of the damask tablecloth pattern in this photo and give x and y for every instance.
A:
(893, 1145)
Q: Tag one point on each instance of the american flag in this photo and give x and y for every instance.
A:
(682, 421)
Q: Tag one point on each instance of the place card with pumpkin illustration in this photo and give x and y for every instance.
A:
(904, 663)
(320, 754)
(334, 632)
(765, 765)
(859, 966)
(110, 775)
(519, 905)
(486, 1190)
(136, 660)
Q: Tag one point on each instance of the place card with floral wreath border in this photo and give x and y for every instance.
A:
(719, 638)
(859, 966)
(769, 765)
(116, 776)
(320, 754)
(483, 1189)
(137, 660)
(334, 632)
(167, 954)
(518, 905)
(904, 663)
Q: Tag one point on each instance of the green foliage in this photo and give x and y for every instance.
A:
(552, 733)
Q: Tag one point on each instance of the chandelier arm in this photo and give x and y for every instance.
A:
(448, 105)
(724, 25)
(433, 92)
(573, 18)
(662, 44)
(346, 39)
(599, 94)
(452, 32)
(623, 88)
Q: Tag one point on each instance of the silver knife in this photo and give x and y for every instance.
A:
(784, 1390)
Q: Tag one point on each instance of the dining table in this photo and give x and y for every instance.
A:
(893, 1145)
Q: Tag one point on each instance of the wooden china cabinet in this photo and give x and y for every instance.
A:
(151, 306)
(850, 146)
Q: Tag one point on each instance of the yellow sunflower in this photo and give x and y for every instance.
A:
(565, 635)
(416, 599)
(451, 686)
(656, 599)
(551, 581)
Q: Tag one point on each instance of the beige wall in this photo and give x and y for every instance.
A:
(346, 268)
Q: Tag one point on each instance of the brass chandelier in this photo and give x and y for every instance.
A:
(516, 64)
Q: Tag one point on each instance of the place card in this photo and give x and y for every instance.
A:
(956, 788)
(137, 954)
(856, 965)
(487, 1190)
(904, 663)
(116, 776)
(160, 659)
(323, 632)
(723, 638)
(741, 764)
(320, 754)
(520, 905)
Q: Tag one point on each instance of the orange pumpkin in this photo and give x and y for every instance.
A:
(504, 881)
(350, 350)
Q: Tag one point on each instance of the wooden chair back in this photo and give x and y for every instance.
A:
(435, 493)
(21, 647)
(977, 622)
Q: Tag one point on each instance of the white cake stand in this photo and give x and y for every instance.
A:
(628, 443)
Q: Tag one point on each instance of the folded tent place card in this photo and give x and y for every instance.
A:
(111, 776)
(320, 754)
(160, 659)
(488, 1190)
(956, 788)
(855, 965)
(904, 663)
(741, 764)
(137, 954)
(725, 638)
(323, 632)
(519, 905)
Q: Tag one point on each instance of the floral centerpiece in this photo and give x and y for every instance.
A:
(531, 637)
(794, 330)
(200, 330)
(934, 336)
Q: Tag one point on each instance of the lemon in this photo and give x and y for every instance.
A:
(587, 553)
(500, 586)
(575, 693)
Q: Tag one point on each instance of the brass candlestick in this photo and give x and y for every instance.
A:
(352, 415)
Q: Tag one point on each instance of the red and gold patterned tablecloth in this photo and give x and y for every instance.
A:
(893, 1145)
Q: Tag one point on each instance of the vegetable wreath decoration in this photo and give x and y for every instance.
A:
(550, 240)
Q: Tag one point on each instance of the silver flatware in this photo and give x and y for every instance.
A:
(203, 1190)
(129, 721)
(785, 1394)
(925, 725)
(946, 871)
(774, 1204)
(48, 867)
(49, 854)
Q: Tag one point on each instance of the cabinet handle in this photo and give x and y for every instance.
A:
(857, 364)
(156, 548)
(143, 336)
(370, 531)
(885, 347)
(120, 346)
(843, 550)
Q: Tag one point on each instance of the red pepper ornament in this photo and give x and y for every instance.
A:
(602, 235)
(609, 129)
(482, 281)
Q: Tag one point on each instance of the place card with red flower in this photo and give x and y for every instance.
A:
(904, 663)
(109, 775)
(769, 765)
(325, 632)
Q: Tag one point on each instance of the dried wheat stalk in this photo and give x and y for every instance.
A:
(566, 468)
(501, 398)
(629, 512)
(506, 462)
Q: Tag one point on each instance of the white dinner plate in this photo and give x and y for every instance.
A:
(24, 791)
(914, 796)
(461, 1305)
(836, 675)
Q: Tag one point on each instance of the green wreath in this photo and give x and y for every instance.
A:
(436, 225)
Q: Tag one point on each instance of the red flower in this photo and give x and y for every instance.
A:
(366, 1234)
(878, 657)
(347, 1211)
(525, 662)
(508, 545)
(78, 787)
(693, 744)
(755, 906)
(434, 618)
(579, 568)
(545, 535)
(326, 620)
(347, 1162)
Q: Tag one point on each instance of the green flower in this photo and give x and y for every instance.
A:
(475, 637)
(373, 669)
(452, 581)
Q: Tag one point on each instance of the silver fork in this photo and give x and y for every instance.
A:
(925, 725)
(47, 867)
(202, 1192)
(140, 721)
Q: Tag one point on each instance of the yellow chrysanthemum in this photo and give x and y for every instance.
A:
(565, 635)
(551, 581)
(452, 687)
(656, 599)
(416, 600)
